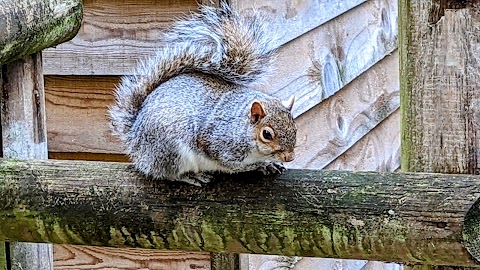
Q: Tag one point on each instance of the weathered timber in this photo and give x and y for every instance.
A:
(78, 257)
(378, 151)
(269, 262)
(29, 26)
(328, 130)
(377, 216)
(440, 77)
(327, 58)
(24, 135)
(118, 33)
(292, 19)
(115, 34)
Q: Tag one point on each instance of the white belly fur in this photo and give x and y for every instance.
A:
(191, 161)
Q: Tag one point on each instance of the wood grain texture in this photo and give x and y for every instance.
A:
(378, 150)
(24, 135)
(317, 213)
(77, 114)
(24, 132)
(106, 44)
(440, 75)
(268, 262)
(102, 258)
(291, 19)
(335, 125)
(29, 26)
(318, 64)
(440, 81)
(114, 35)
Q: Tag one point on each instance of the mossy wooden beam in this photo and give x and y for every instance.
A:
(440, 98)
(397, 217)
(29, 26)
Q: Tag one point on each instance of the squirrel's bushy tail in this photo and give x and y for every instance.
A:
(215, 41)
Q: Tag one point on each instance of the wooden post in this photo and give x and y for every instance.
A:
(440, 82)
(24, 135)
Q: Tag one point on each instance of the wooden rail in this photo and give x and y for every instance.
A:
(402, 217)
(29, 26)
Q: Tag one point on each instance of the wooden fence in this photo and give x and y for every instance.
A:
(415, 218)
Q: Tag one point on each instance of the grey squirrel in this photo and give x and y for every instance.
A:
(190, 110)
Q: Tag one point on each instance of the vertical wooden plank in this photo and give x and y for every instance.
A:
(440, 77)
(24, 135)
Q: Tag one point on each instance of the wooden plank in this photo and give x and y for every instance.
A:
(378, 150)
(114, 35)
(340, 214)
(29, 26)
(110, 43)
(24, 132)
(77, 114)
(440, 78)
(293, 19)
(24, 135)
(334, 126)
(440, 82)
(320, 63)
(89, 257)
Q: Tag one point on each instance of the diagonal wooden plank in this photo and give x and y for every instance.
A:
(328, 130)
(291, 19)
(318, 64)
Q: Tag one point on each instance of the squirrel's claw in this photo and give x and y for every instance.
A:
(269, 168)
(196, 179)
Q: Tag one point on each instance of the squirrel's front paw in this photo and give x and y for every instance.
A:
(197, 179)
(269, 168)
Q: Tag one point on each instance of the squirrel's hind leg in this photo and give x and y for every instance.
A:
(196, 179)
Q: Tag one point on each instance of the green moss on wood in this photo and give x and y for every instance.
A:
(46, 31)
(303, 213)
(406, 76)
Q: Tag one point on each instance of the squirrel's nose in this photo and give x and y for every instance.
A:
(288, 156)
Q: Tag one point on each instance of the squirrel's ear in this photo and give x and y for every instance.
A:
(289, 103)
(257, 112)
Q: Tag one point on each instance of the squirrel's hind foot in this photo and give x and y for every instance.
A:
(269, 168)
(196, 179)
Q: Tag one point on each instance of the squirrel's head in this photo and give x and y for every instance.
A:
(274, 129)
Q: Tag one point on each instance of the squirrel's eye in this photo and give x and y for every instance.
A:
(267, 134)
